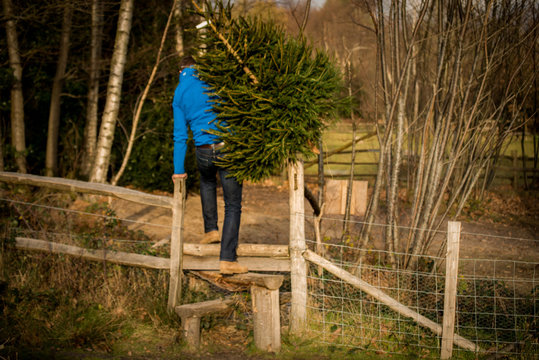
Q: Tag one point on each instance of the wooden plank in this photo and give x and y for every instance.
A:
(387, 300)
(252, 263)
(147, 261)
(86, 187)
(345, 146)
(336, 191)
(450, 294)
(266, 319)
(191, 314)
(298, 266)
(263, 250)
(267, 281)
(203, 308)
(117, 257)
(176, 245)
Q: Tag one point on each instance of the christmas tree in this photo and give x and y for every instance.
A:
(275, 93)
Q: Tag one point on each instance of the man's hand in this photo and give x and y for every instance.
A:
(179, 176)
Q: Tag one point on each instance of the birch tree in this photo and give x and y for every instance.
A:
(17, 101)
(140, 103)
(114, 91)
(90, 128)
(51, 156)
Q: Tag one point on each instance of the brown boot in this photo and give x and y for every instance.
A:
(231, 267)
(211, 237)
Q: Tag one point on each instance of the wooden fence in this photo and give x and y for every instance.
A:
(292, 258)
(509, 168)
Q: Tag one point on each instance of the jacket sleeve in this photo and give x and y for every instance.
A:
(180, 133)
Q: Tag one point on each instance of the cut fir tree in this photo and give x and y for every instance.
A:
(274, 93)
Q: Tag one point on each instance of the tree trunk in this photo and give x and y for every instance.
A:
(17, 101)
(90, 128)
(140, 103)
(1, 151)
(51, 156)
(178, 24)
(114, 91)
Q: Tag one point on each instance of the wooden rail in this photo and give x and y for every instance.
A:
(87, 187)
(190, 262)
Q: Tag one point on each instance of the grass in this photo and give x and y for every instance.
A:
(340, 133)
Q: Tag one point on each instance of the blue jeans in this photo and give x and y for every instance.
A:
(232, 192)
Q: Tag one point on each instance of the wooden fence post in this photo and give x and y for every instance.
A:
(176, 245)
(266, 318)
(450, 295)
(515, 170)
(298, 266)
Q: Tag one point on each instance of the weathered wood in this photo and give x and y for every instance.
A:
(190, 315)
(387, 300)
(191, 331)
(203, 308)
(450, 295)
(336, 197)
(266, 319)
(176, 245)
(252, 263)
(86, 187)
(340, 149)
(262, 250)
(117, 257)
(267, 281)
(298, 266)
(147, 261)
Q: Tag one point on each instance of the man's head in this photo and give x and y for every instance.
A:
(186, 62)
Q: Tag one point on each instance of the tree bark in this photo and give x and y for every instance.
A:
(17, 101)
(90, 128)
(114, 92)
(178, 17)
(140, 103)
(51, 156)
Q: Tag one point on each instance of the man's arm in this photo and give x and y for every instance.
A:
(179, 135)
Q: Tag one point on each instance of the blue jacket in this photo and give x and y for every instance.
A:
(192, 107)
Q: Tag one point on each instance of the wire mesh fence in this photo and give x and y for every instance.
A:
(497, 301)
(496, 307)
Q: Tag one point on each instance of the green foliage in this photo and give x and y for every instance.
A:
(272, 119)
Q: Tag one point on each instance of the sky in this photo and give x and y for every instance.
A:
(318, 3)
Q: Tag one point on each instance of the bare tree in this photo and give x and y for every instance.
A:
(17, 100)
(51, 156)
(452, 107)
(114, 91)
(90, 128)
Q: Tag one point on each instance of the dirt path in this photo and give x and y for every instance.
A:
(265, 220)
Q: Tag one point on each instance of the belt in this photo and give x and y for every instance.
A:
(212, 146)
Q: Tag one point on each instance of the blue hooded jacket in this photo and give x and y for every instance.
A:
(192, 107)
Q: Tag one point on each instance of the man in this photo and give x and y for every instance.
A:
(192, 106)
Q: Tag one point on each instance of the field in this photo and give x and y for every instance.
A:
(367, 156)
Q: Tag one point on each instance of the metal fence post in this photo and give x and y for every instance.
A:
(450, 295)
(176, 245)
